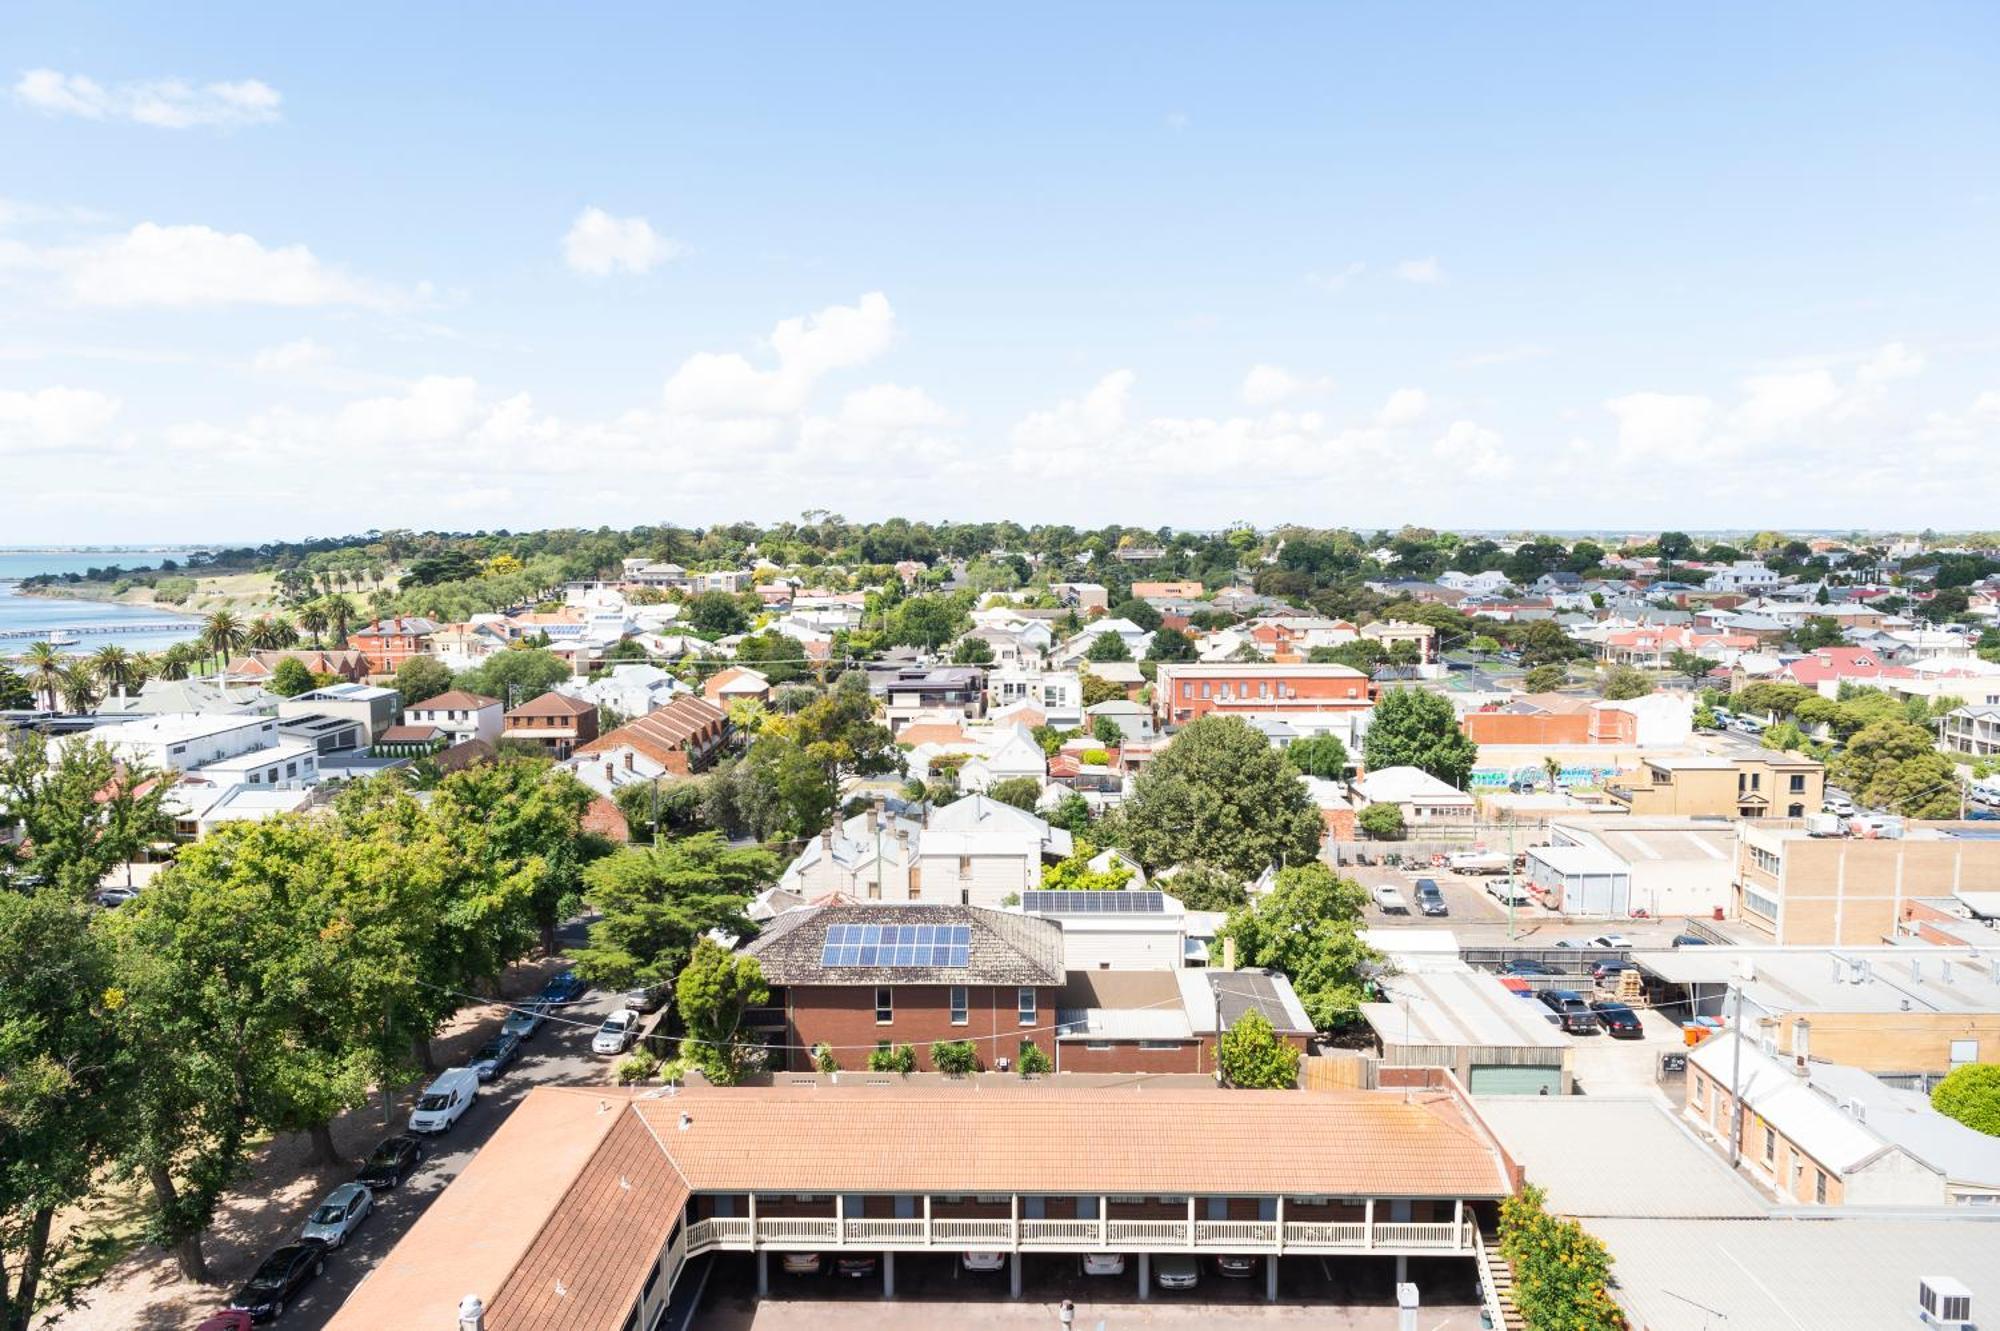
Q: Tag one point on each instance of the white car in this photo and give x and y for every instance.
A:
(615, 1036)
(334, 1220)
(983, 1261)
(445, 1100)
(1508, 892)
(1104, 1264)
(1611, 940)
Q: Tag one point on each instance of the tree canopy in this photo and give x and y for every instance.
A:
(1971, 1094)
(1305, 928)
(655, 901)
(1417, 728)
(1220, 793)
(1252, 1056)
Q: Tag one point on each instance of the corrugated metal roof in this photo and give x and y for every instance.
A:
(1612, 1157)
(1470, 1008)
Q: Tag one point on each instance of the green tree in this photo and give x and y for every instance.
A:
(1106, 731)
(711, 995)
(1542, 642)
(1817, 631)
(1032, 1061)
(78, 810)
(1097, 689)
(222, 633)
(1322, 756)
(1894, 765)
(61, 1119)
(421, 677)
(1971, 1094)
(1108, 647)
(114, 669)
(1072, 814)
(1770, 699)
(290, 677)
(1023, 792)
(927, 622)
(1220, 793)
(1383, 822)
(514, 676)
(531, 813)
(1139, 612)
(1170, 644)
(1622, 681)
(1561, 1273)
(1692, 665)
(972, 651)
(15, 694)
(1705, 717)
(1417, 728)
(1251, 1055)
(1305, 928)
(824, 1059)
(954, 1058)
(779, 657)
(715, 613)
(656, 901)
(1545, 678)
(1075, 874)
(1200, 886)
(893, 1058)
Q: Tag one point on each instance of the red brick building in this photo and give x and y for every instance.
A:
(859, 977)
(555, 723)
(1187, 691)
(387, 643)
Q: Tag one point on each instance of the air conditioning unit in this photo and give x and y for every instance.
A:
(1944, 1302)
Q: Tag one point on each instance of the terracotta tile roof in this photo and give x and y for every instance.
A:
(464, 754)
(408, 735)
(604, 818)
(1006, 948)
(554, 704)
(454, 700)
(663, 732)
(931, 732)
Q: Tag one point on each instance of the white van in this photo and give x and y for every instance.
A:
(445, 1100)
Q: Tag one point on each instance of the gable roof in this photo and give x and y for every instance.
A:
(1006, 948)
(454, 700)
(554, 704)
(663, 732)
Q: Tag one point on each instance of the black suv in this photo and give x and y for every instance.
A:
(283, 1274)
(1572, 1013)
(394, 1160)
(1430, 899)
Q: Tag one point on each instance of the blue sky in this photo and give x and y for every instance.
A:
(270, 270)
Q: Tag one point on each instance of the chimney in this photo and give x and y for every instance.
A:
(471, 1313)
(826, 841)
(1802, 1039)
(1229, 954)
(874, 819)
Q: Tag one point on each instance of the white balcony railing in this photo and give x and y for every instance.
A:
(1236, 1233)
(970, 1230)
(798, 1229)
(718, 1232)
(1149, 1231)
(1394, 1235)
(1326, 1234)
(996, 1232)
(1059, 1231)
(884, 1231)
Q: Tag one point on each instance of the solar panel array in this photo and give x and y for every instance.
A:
(897, 945)
(1093, 903)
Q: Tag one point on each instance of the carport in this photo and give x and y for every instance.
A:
(1495, 1041)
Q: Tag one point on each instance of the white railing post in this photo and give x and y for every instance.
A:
(753, 1219)
(1458, 1223)
(927, 1220)
(1368, 1223)
(1281, 1225)
(1103, 1222)
(840, 1218)
(1190, 1222)
(1014, 1220)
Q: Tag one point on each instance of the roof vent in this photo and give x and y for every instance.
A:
(687, 1120)
(471, 1313)
(1944, 1302)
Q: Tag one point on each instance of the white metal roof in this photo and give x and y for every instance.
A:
(1577, 861)
(1459, 1008)
(1616, 1157)
(1789, 1103)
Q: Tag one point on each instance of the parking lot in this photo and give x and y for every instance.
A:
(1353, 1292)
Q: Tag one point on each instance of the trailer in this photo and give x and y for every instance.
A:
(1480, 861)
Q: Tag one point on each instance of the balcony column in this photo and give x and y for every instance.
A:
(840, 1218)
(1368, 1223)
(1103, 1222)
(1281, 1224)
(763, 1274)
(1190, 1222)
(1402, 1269)
(1014, 1220)
(753, 1219)
(1458, 1223)
(1271, 1278)
(927, 1220)
(889, 1273)
(1145, 1284)
(1014, 1274)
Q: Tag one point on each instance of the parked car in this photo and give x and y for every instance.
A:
(1607, 972)
(1508, 892)
(1175, 1271)
(801, 1264)
(233, 1320)
(334, 1220)
(563, 987)
(1611, 940)
(392, 1162)
(524, 1020)
(983, 1261)
(1571, 1012)
(1689, 940)
(494, 1056)
(1620, 1022)
(854, 1266)
(1236, 1267)
(1104, 1264)
(445, 1100)
(1389, 899)
(113, 897)
(1430, 897)
(275, 1283)
(1526, 966)
(615, 1036)
(1839, 804)
(644, 997)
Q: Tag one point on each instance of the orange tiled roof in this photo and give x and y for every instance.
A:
(662, 732)
(453, 700)
(554, 704)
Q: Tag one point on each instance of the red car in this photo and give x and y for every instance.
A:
(233, 1320)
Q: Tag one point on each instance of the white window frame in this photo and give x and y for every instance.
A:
(961, 1005)
(1026, 1005)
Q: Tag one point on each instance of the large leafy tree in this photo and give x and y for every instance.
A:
(1319, 755)
(1108, 646)
(1895, 765)
(778, 657)
(78, 809)
(1305, 928)
(532, 815)
(516, 675)
(1170, 644)
(60, 1113)
(657, 900)
(1971, 1094)
(716, 613)
(1417, 728)
(1562, 1273)
(421, 677)
(1220, 793)
(713, 990)
(1251, 1055)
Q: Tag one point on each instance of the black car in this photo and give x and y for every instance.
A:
(563, 987)
(494, 1056)
(1571, 1012)
(854, 1267)
(1620, 1022)
(1430, 898)
(1527, 966)
(283, 1274)
(1608, 972)
(1689, 940)
(394, 1160)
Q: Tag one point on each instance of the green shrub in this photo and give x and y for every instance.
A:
(1033, 1062)
(1560, 1271)
(897, 1058)
(954, 1058)
(1384, 822)
(823, 1057)
(1971, 1094)
(636, 1066)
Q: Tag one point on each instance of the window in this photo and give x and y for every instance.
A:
(1204, 688)
(1026, 997)
(1765, 860)
(1798, 786)
(964, 866)
(885, 1005)
(1187, 689)
(1770, 1145)
(291, 769)
(1963, 1052)
(1263, 688)
(960, 1006)
(1700, 1092)
(1103, 1045)
(1819, 1185)
(1758, 902)
(1159, 1044)
(1795, 811)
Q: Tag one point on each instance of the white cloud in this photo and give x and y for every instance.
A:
(599, 244)
(1336, 279)
(1268, 385)
(290, 356)
(1425, 272)
(1513, 355)
(53, 418)
(161, 103)
(1660, 427)
(197, 265)
(725, 384)
(1406, 406)
(893, 407)
(1470, 450)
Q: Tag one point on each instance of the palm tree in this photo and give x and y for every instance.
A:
(222, 634)
(142, 666)
(177, 659)
(313, 619)
(339, 613)
(287, 632)
(112, 665)
(262, 635)
(1553, 766)
(79, 687)
(45, 667)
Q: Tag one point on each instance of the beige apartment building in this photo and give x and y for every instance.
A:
(1766, 784)
(1806, 890)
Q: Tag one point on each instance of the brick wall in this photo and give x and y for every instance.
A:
(844, 1016)
(1509, 728)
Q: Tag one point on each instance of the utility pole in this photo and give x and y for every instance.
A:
(1735, 1077)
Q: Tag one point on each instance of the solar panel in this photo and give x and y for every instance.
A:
(897, 945)
(1093, 903)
